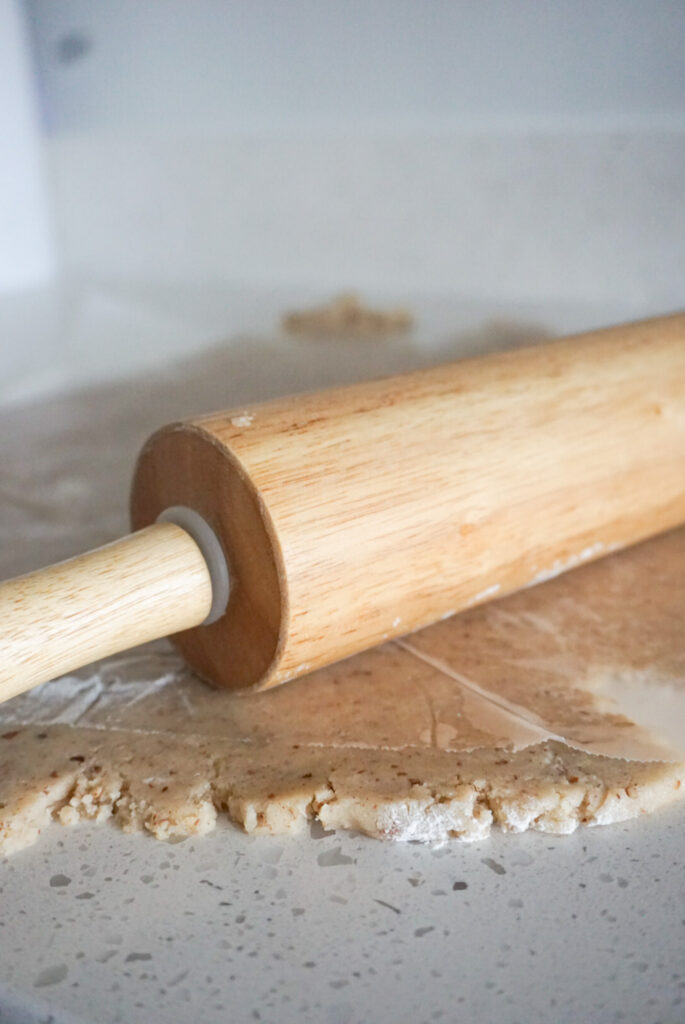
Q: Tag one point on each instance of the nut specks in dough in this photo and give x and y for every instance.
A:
(421, 795)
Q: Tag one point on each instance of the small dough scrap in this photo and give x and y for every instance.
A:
(346, 315)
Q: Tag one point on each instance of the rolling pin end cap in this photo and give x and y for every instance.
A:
(212, 552)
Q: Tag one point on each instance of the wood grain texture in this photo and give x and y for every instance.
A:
(143, 587)
(366, 512)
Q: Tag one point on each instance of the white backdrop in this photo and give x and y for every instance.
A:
(518, 158)
(269, 64)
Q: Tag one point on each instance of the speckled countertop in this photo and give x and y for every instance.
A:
(98, 926)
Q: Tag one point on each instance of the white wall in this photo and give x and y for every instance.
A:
(26, 250)
(579, 217)
(501, 149)
(222, 64)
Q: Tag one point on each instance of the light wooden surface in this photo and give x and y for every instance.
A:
(366, 512)
(142, 587)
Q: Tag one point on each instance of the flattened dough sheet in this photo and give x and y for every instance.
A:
(505, 715)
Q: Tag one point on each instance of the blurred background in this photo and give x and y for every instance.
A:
(177, 175)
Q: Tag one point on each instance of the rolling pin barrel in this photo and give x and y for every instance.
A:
(362, 513)
(358, 514)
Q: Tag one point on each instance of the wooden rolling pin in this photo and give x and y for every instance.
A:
(276, 539)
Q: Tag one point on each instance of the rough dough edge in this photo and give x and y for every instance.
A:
(573, 793)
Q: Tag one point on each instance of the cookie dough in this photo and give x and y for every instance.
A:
(495, 717)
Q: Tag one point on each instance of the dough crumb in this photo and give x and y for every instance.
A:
(347, 315)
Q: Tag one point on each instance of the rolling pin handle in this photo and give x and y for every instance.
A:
(212, 552)
(154, 583)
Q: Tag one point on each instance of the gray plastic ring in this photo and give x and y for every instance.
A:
(212, 552)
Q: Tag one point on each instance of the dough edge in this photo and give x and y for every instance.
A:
(428, 796)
